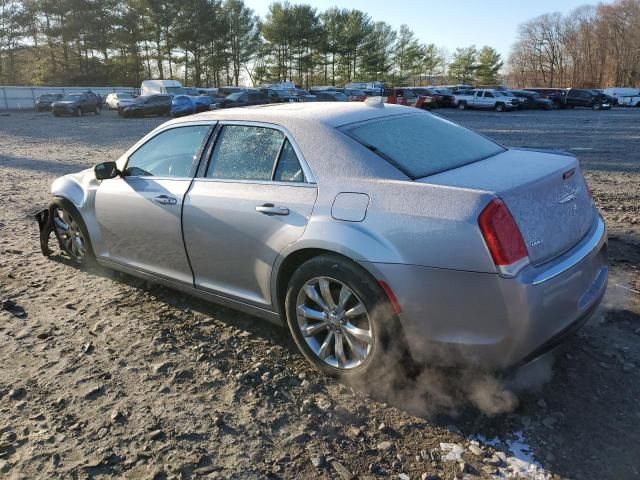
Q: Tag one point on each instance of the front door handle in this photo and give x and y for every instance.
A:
(165, 200)
(271, 209)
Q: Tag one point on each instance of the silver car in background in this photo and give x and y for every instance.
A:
(362, 226)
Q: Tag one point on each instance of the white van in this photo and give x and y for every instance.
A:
(167, 87)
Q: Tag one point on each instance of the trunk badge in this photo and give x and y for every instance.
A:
(568, 197)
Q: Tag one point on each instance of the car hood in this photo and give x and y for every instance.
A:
(64, 103)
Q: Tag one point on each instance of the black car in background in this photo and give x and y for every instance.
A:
(533, 100)
(578, 97)
(435, 97)
(44, 102)
(147, 105)
(245, 99)
(77, 104)
(329, 96)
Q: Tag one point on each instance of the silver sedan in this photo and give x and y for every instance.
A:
(364, 227)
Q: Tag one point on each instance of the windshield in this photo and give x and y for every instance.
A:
(72, 98)
(356, 93)
(420, 144)
(181, 99)
(444, 91)
(235, 96)
(340, 95)
(49, 96)
(409, 93)
(123, 95)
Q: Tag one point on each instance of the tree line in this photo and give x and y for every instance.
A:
(223, 42)
(592, 46)
(216, 42)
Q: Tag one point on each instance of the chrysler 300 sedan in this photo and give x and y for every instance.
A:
(361, 226)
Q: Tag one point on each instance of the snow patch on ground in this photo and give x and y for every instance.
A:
(519, 461)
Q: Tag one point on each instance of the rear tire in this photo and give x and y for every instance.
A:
(97, 111)
(596, 106)
(354, 331)
(499, 107)
(78, 112)
(71, 232)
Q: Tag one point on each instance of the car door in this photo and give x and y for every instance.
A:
(139, 213)
(254, 198)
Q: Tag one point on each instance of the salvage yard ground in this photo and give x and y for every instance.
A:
(104, 375)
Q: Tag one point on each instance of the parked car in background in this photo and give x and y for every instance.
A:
(625, 96)
(533, 100)
(145, 105)
(510, 97)
(164, 87)
(245, 99)
(182, 105)
(279, 95)
(329, 96)
(550, 93)
(303, 95)
(578, 97)
(114, 101)
(435, 98)
(611, 100)
(44, 102)
(410, 234)
(486, 99)
(403, 96)
(77, 104)
(353, 94)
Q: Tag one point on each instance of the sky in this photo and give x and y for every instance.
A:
(449, 24)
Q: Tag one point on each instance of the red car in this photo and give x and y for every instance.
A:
(406, 96)
(353, 94)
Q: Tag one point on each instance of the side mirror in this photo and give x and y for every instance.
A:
(106, 170)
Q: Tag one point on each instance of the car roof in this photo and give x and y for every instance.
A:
(290, 114)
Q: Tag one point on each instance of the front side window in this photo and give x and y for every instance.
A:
(245, 153)
(168, 154)
(420, 145)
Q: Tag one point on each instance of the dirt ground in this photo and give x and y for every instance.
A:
(103, 375)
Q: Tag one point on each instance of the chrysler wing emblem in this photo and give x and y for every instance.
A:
(569, 196)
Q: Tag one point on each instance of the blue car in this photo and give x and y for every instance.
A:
(202, 103)
(182, 105)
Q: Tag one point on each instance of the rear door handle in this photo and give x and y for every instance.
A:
(271, 209)
(165, 200)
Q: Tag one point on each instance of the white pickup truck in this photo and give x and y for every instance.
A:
(627, 97)
(485, 98)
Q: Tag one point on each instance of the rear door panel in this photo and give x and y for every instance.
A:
(231, 246)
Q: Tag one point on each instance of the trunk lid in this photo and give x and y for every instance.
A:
(545, 192)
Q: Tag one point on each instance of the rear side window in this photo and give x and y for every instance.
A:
(288, 169)
(245, 153)
(421, 144)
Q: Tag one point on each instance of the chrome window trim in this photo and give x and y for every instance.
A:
(308, 174)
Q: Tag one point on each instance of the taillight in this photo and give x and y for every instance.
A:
(503, 238)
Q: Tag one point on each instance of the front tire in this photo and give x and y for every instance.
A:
(340, 319)
(596, 106)
(78, 112)
(462, 105)
(97, 111)
(71, 232)
(499, 107)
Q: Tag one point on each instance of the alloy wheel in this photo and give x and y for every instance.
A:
(334, 323)
(70, 235)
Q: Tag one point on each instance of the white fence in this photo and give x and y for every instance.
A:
(24, 98)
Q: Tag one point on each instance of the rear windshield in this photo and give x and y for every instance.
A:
(422, 144)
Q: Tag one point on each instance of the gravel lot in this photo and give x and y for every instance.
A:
(104, 375)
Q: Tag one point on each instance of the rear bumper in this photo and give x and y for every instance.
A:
(453, 317)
